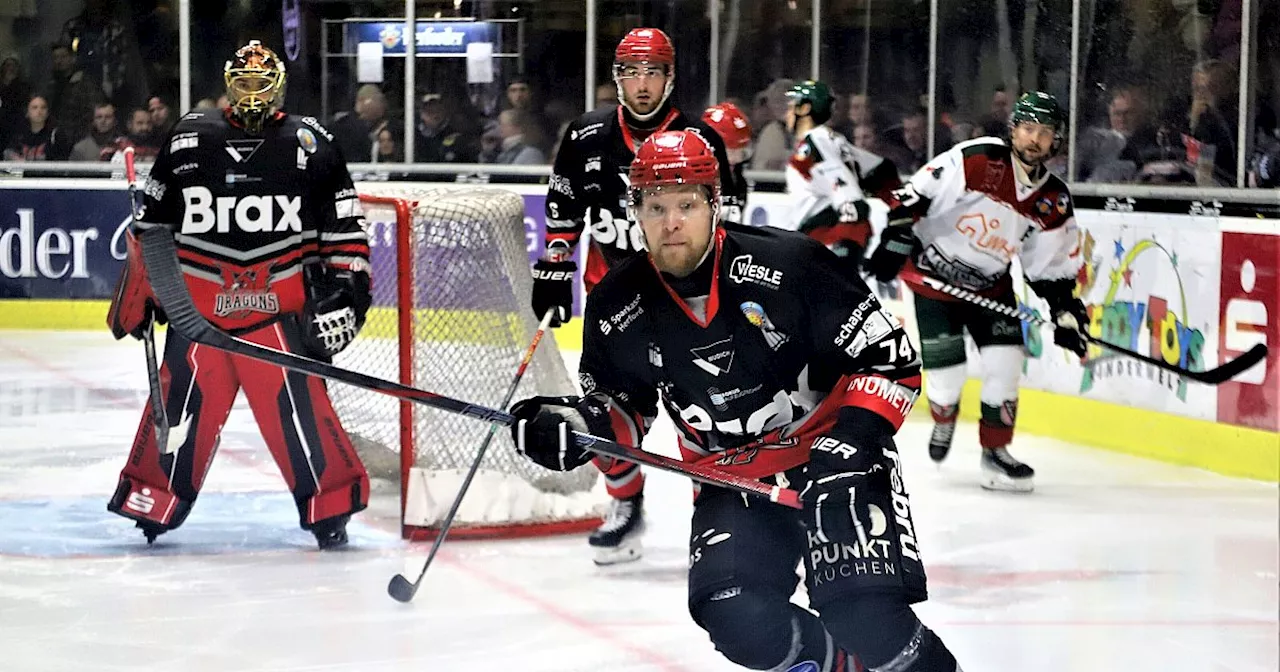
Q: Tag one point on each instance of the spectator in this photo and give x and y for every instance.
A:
(356, 131)
(72, 95)
(860, 110)
(867, 136)
(139, 137)
(161, 118)
(840, 122)
(15, 92)
(513, 127)
(996, 123)
(439, 140)
(773, 145)
(1111, 154)
(387, 149)
(206, 104)
(103, 138)
(914, 140)
(519, 94)
(607, 95)
(40, 140)
(1212, 124)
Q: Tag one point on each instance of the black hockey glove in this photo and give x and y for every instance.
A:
(896, 245)
(1070, 319)
(543, 425)
(846, 456)
(337, 302)
(553, 289)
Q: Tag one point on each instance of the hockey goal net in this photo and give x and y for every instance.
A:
(450, 315)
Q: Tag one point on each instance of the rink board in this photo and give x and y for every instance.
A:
(1191, 285)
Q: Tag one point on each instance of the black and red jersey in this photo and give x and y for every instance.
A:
(756, 369)
(589, 182)
(249, 210)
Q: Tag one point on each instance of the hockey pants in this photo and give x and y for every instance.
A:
(160, 483)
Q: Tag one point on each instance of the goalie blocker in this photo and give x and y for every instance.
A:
(276, 255)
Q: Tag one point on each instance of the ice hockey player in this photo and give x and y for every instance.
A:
(272, 245)
(779, 364)
(828, 179)
(962, 218)
(589, 189)
(734, 129)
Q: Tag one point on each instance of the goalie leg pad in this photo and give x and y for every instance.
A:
(302, 431)
(160, 483)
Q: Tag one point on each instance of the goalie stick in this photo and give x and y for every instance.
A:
(159, 416)
(400, 588)
(161, 258)
(1215, 376)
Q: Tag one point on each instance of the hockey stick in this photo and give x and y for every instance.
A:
(400, 588)
(160, 255)
(1215, 376)
(159, 416)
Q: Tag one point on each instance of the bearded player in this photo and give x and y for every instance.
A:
(589, 189)
(962, 219)
(777, 363)
(271, 241)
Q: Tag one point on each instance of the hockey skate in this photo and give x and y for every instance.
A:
(1000, 471)
(618, 539)
(331, 533)
(940, 440)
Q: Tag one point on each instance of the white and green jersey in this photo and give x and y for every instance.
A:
(827, 176)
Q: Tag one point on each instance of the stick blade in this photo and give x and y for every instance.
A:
(1233, 368)
(400, 589)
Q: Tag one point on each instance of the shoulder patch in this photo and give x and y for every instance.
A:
(313, 123)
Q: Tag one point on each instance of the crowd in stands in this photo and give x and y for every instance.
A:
(1156, 112)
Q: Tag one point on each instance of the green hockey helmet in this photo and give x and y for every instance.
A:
(817, 94)
(1040, 108)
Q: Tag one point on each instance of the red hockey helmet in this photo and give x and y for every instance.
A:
(674, 158)
(730, 123)
(645, 45)
(648, 46)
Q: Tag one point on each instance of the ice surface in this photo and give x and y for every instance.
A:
(1114, 563)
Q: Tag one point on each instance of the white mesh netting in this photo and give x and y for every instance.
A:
(466, 286)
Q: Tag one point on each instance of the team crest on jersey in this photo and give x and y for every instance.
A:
(307, 140)
(1044, 205)
(755, 314)
(1064, 202)
(245, 292)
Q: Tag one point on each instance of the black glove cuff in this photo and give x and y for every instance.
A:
(1059, 294)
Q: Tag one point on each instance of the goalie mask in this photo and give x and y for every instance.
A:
(255, 85)
(639, 54)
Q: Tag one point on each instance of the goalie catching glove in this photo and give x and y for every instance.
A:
(542, 431)
(1068, 313)
(337, 302)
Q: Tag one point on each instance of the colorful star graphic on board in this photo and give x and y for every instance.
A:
(1128, 276)
(1119, 250)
